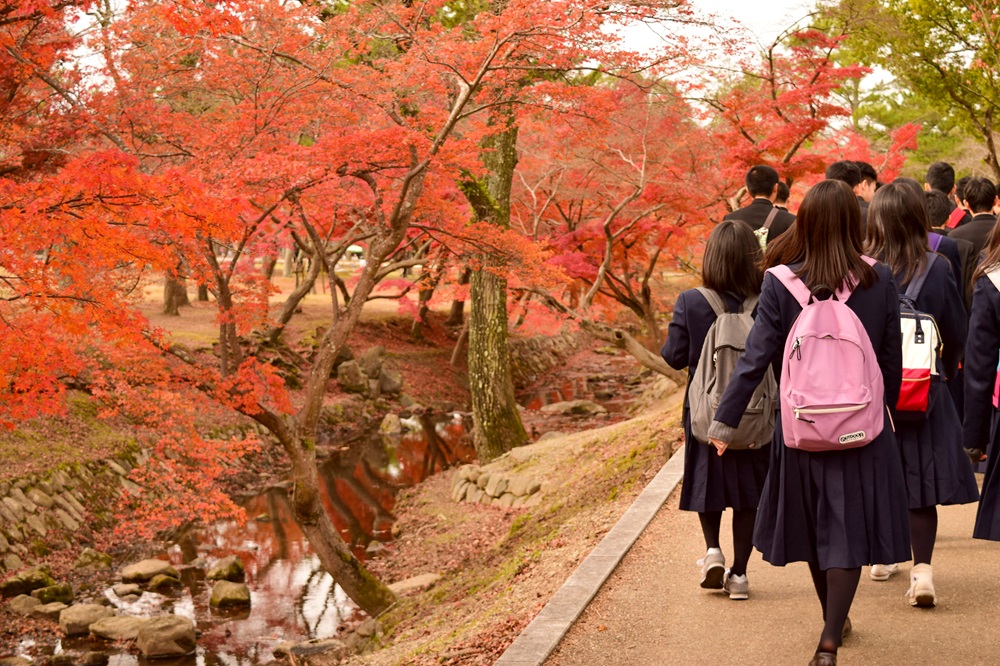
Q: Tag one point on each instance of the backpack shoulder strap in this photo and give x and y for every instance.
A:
(770, 217)
(793, 283)
(714, 300)
(917, 283)
(934, 240)
(750, 303)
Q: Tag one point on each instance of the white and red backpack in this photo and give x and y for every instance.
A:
(921, 349)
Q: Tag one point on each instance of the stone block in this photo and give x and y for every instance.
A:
(15, 512)
(27, 581)
(22, 499)
(140, 572)
(22, 605)
(50, 611)
(483, 479)
(119, 628)
(351, 378)
(390, 382)
(497, 485)
(167, 636)
(76, 620)
(533, 487)
(506, 501)
(66, 521)
(62, 592)
(473, 494)
(371, 361)
(228, 568)
(37, 524)
(226, 594)
(40, 498)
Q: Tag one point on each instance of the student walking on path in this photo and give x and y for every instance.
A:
(982, 420)
(837, 510)
(731, 277)
(936, 468)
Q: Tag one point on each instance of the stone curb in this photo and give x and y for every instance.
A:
(537, 641)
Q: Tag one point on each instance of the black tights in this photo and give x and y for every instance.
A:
(835, 589)
(923, 533)
(711, 525)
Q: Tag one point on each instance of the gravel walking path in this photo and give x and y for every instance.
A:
(652, 611)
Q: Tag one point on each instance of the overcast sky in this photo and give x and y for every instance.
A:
(764, 19)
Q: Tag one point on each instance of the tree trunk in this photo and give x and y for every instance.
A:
(203, 293)
(174, 295)
(358, 583)
(497, 423)
(457, 315)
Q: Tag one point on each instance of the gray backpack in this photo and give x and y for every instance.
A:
(724, 343)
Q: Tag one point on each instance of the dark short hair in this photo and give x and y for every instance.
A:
(868, 172)
(980, 193)
(760, 180)
(732, 260)
(941, 177)
(938, 207)
(960, 187)
(845, 171)
(783, 193)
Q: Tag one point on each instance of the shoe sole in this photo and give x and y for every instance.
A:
(739, 596)
(713, 577)
(882, 577)
(923, 600)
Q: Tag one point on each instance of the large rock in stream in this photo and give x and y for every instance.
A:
(228, 568)
(76, 620)
(229, 595)
(140, 572)
(167, 636)
(583, 407)
(120, 628)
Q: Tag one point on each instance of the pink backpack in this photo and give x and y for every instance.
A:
(832, 396)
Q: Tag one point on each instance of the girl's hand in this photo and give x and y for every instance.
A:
(719, 446)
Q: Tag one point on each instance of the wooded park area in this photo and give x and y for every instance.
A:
(522, 158)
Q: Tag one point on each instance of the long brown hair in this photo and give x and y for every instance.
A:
(826, 239)
(897, 230)
(732, 260)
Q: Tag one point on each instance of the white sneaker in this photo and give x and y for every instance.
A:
(713, 570)
(921, 592)
(883, 571)
(738, 587)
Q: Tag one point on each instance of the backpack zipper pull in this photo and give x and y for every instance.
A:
(796, 349)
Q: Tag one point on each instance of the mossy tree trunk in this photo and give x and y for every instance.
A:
(497, 423)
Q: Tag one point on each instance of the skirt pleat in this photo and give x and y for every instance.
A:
(840, 509)
(712, 482)
(988, 516)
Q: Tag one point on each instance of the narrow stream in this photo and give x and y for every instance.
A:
(293, 599)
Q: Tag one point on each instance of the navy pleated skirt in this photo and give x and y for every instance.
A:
(988, 516)
(712, 482)
(935, 467)
(839, 509)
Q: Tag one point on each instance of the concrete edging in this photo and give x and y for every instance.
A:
(538, 640)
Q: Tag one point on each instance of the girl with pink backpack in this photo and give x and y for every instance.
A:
(936, 468)
(828, 320)
(731, 280)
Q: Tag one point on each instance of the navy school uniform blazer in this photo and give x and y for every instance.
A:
(940, 298)
(977, 231)
(981, 354)
(877, 307)
(958, 252)
(757, 211)
(693, 316)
